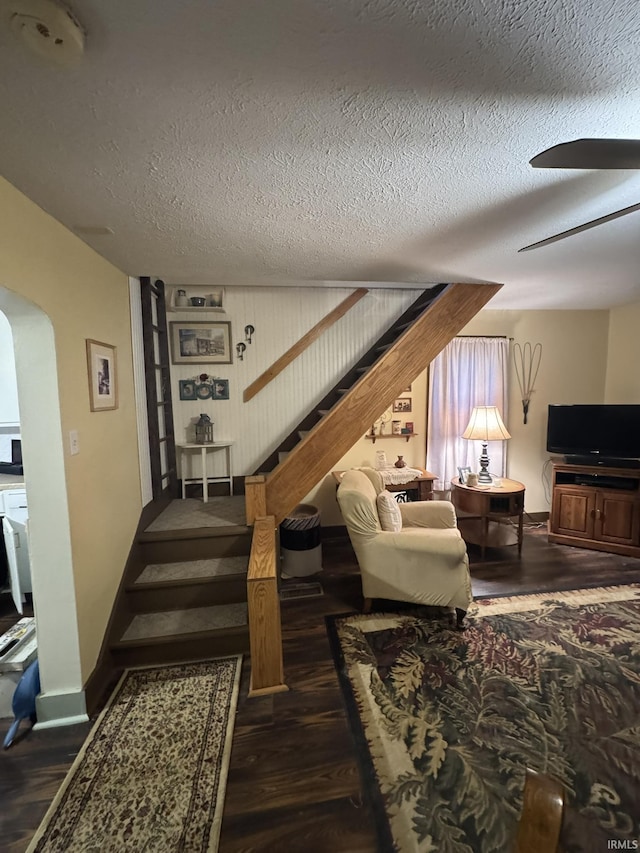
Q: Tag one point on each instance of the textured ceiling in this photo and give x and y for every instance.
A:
(337, 140)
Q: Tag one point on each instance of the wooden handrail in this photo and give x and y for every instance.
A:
(255, 497)
(353, 414)
(265, 631)
(300, 346)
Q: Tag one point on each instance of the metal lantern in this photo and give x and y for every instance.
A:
(204, 430)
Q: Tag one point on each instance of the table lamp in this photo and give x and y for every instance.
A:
(485, 424)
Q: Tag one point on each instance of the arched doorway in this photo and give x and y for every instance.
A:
(62, 698)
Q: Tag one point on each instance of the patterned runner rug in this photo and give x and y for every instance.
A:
(446, 722)
(152, 773)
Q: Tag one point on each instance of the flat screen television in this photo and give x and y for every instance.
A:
(595, 434)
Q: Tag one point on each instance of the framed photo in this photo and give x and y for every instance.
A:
(220, 389)
(463, 473)
(200, 342)
(402, 404)
(103, 379)
(187, 389)
(408, 426)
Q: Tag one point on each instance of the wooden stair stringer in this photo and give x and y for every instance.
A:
(353, 414)
(353, 374)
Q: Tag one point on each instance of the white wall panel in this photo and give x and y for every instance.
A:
(280, 316)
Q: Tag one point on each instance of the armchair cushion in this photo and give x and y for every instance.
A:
(389, 512)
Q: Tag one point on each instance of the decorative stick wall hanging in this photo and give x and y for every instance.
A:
(527, 363)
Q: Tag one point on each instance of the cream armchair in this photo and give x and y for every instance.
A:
(423, 562)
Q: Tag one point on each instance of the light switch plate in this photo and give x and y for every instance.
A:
(74, 442)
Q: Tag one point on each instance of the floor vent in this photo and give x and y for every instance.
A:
(301, 590)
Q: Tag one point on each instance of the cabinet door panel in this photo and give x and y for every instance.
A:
(573, 512)
(617, 518)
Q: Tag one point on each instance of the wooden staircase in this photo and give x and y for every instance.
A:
(185, 597)
(315, 445)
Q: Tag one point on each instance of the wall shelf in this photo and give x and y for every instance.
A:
(198, 290)
(406, 435)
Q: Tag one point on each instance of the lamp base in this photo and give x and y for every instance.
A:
(483, 475)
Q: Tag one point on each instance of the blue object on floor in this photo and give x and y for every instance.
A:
(23, 703)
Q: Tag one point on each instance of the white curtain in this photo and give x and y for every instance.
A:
(469, 372)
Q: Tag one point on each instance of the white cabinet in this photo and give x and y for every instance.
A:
(16, 542)
(15, 504)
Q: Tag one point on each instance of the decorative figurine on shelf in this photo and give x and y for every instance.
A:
(400, 462)
(204, 430)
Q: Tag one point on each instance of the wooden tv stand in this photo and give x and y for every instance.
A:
(596, 507)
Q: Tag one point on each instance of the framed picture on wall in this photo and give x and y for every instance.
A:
(205, 342)
(220, 389)
(103, 379)
(187, 389)
(402, 404)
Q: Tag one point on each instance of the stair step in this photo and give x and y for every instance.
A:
(203, 543)
(191, 569)
(323, 412)
(195, 634)
(282, 455)
(303, 433)
(151, 626)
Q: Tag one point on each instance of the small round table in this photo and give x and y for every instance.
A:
(490, 503)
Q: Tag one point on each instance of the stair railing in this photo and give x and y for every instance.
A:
(265, 632)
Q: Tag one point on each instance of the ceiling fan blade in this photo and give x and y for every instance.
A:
(590, 154)
(561, 236)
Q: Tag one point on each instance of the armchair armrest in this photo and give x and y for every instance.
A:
(433, 514)
(395, 548)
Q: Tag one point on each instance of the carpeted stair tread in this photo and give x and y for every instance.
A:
(193, 513)
(191, 621)
(188, 569)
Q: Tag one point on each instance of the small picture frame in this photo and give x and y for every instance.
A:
(402, 404)
(463, 473)
(220, 389)
(103, 378)
(408, 425)
(187, 389)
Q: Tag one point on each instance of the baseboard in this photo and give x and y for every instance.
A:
(536, 516)
(336, 531)
(54, 710)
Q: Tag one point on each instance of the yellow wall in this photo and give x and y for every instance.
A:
(623, 377)
(84, 297)
(572, 370)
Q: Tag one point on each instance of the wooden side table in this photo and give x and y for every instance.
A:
(204, 479)
(423, 484)
(490, 504)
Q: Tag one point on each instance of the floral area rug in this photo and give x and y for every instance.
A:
(152, 773)
(446, 722)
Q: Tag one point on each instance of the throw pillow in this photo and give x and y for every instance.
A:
(389, 512)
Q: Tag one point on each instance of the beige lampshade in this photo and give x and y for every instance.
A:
(485, 424)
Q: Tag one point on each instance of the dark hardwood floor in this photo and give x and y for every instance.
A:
(293, 780)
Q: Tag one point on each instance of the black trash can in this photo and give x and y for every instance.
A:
(300, 544)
